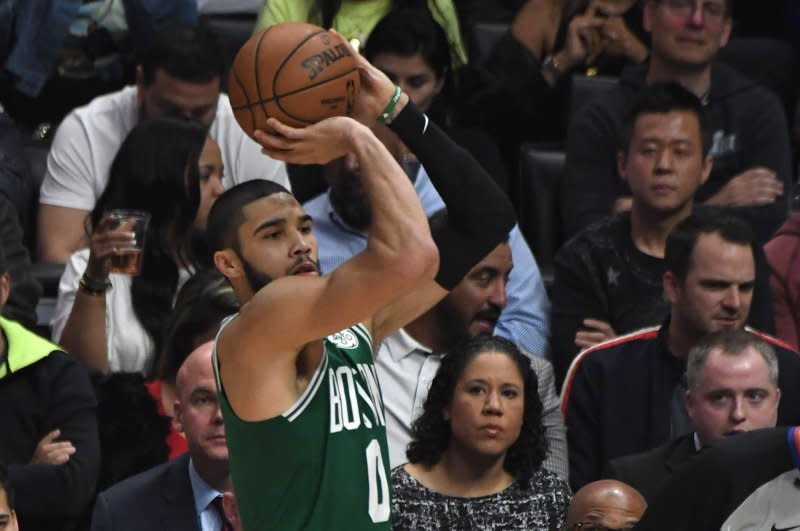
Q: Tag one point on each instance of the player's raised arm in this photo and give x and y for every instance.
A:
(290, 312)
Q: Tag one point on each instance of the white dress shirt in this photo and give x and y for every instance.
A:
(406, 369)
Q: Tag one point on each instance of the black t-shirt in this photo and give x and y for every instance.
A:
(600, 273)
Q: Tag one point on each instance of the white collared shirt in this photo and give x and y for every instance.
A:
(405, 370)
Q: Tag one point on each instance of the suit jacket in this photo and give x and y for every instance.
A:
(703, 493)
(159, 498)
(616, 398)
(647, 471)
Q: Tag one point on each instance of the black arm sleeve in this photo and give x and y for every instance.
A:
(703, 493)
(480, 215)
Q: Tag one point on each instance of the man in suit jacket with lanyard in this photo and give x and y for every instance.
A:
(185, 493)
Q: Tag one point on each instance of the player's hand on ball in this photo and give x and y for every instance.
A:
(376, 90)
(320, 143)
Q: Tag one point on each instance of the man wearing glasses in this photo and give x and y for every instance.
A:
(750, 143)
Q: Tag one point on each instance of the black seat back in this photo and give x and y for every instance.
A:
(585, 89)
(541, 169)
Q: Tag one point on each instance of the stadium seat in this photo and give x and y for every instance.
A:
(541, 169)
(484, 36)
(232, 30)
(585, 89)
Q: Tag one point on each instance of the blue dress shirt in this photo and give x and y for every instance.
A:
(204, 494)
(526, 317)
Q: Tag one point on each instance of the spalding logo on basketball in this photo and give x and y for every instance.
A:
(344, 339)
(296, 72)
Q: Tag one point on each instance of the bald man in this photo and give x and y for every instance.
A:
(607, 503)
(179, 495)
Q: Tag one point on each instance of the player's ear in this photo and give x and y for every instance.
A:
(228, 263)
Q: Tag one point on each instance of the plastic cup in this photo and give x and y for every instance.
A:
(128, 260)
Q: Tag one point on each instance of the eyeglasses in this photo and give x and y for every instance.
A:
(712, 10)
(593, 526)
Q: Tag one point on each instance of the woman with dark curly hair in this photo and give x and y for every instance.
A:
(475, 461)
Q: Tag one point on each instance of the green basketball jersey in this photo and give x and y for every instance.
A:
(323, 464)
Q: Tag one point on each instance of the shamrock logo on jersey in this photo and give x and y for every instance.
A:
(344, 339)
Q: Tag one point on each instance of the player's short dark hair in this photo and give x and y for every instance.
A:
(5, 485)
(683, 238)
(227, 214)
(663, 98)
(432, 433)
(189, 53)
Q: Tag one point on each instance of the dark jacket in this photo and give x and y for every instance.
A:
(647, 471)
(702, 494)
(160, 498)
(46, 389)
(17, 182)
(616, 398)
(748, 128)
(783, 255)
(25, 290)
(601, 274)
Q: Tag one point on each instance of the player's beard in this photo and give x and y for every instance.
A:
(255, 278)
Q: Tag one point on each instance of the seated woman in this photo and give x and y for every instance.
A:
(475, 459)
(410, 47)
(114, 322)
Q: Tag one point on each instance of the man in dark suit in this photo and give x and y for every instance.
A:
(733, 387)
(742, 482)
(183, 494)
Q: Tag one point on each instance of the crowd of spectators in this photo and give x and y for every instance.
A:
(670, 320)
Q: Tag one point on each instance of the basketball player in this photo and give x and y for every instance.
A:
(301, 404)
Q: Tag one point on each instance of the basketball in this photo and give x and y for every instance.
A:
(296, 72)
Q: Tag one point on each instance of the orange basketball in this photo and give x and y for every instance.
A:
(295, 72)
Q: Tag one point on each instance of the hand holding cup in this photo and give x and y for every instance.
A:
(117, 243)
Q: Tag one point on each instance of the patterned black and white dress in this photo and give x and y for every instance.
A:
(539, 503)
